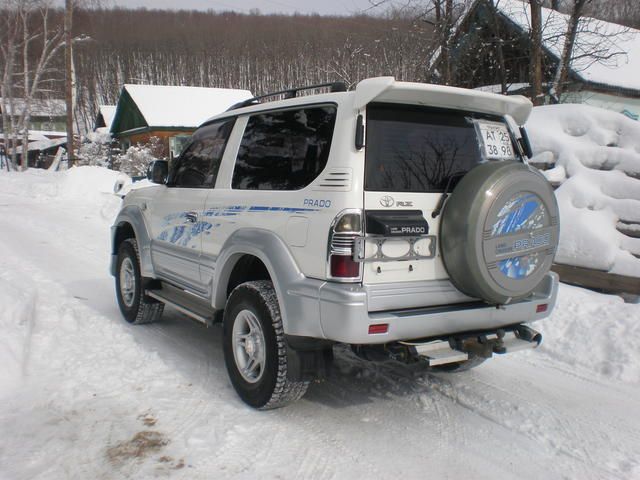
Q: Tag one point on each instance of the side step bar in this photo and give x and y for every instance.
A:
(184, 302)
(458, 348)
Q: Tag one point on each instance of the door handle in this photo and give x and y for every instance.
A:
(192, 217)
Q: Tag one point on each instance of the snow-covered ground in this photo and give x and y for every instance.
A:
(83, 395)
(595, 155)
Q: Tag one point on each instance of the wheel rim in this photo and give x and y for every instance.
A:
(127, 282)
(248, 346)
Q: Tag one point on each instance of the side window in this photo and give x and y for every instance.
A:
(284, 150)
(199, 164)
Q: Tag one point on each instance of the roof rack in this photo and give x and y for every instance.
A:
(290, 93)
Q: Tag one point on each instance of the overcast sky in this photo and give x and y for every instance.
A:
(323, 7)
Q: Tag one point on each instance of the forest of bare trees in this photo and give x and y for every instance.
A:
(254, 52)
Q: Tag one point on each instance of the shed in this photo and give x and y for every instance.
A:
(104, 118)
(47, 115)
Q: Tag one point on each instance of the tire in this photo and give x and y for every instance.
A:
(458, 367)
(254, 347)
(499, 232)
(135, 306)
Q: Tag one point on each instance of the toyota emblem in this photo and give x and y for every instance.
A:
(387, 201)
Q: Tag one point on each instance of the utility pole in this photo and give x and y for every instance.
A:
(68, 87)
(536, 53)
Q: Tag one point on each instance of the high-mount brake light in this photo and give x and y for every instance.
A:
(346, 227)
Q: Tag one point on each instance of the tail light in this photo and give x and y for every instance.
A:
(345, 228)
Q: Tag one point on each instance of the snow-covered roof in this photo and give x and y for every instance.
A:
(40, 145)
(594, 38)
(52, 107)
(108, 112)
(168, 106)
(48, 133)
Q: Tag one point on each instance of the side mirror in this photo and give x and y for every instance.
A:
(525, 143)
(158, 171)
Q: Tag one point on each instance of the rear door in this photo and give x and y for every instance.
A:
(414, 154)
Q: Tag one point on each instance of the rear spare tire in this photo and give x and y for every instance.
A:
(499, 231)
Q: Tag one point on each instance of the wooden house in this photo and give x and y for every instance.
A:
(169, 113)
(491, 43)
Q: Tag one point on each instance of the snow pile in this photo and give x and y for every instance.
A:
(17, 299)
(84, 182)
(595, 158)
(594, 332)
(89, 186)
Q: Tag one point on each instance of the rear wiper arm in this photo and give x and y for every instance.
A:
(445, 194)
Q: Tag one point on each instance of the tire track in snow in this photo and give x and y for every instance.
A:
(531, 419)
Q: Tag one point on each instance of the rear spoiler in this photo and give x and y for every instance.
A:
(387, 89)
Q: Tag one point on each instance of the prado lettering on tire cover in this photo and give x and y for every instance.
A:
(500, 231)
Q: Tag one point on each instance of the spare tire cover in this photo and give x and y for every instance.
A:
(499, 231)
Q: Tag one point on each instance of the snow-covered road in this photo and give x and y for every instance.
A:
(85, 395)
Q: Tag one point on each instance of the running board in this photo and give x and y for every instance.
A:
(184, 302)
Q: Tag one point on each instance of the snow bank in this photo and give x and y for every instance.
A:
(594, 332)
(595, 160)
(77, 182)
(89, 187)
(17, 299)
(90, 182)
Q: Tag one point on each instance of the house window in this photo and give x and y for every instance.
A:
(177, 144)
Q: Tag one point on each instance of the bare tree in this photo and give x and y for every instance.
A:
(443, 15)
(9, 45)
(69, 77)
(32, 42)
(536, 52)
(562, 70)
(586, 41)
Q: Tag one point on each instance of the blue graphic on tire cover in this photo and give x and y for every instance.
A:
(522, 212)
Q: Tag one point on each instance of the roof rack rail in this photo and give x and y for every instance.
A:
(290, 93)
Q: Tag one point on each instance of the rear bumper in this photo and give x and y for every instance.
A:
(344, 316)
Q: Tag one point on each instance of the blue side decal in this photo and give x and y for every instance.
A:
(176, 231)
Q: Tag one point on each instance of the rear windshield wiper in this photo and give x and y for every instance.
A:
(445, 194)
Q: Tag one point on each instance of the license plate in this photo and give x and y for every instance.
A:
(496, 141)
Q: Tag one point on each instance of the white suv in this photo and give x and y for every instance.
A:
(400, 218)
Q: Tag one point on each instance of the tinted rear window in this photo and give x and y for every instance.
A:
(284, 150)
(417, 149)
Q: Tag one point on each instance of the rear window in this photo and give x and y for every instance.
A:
(418, 149)
(284, 150)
